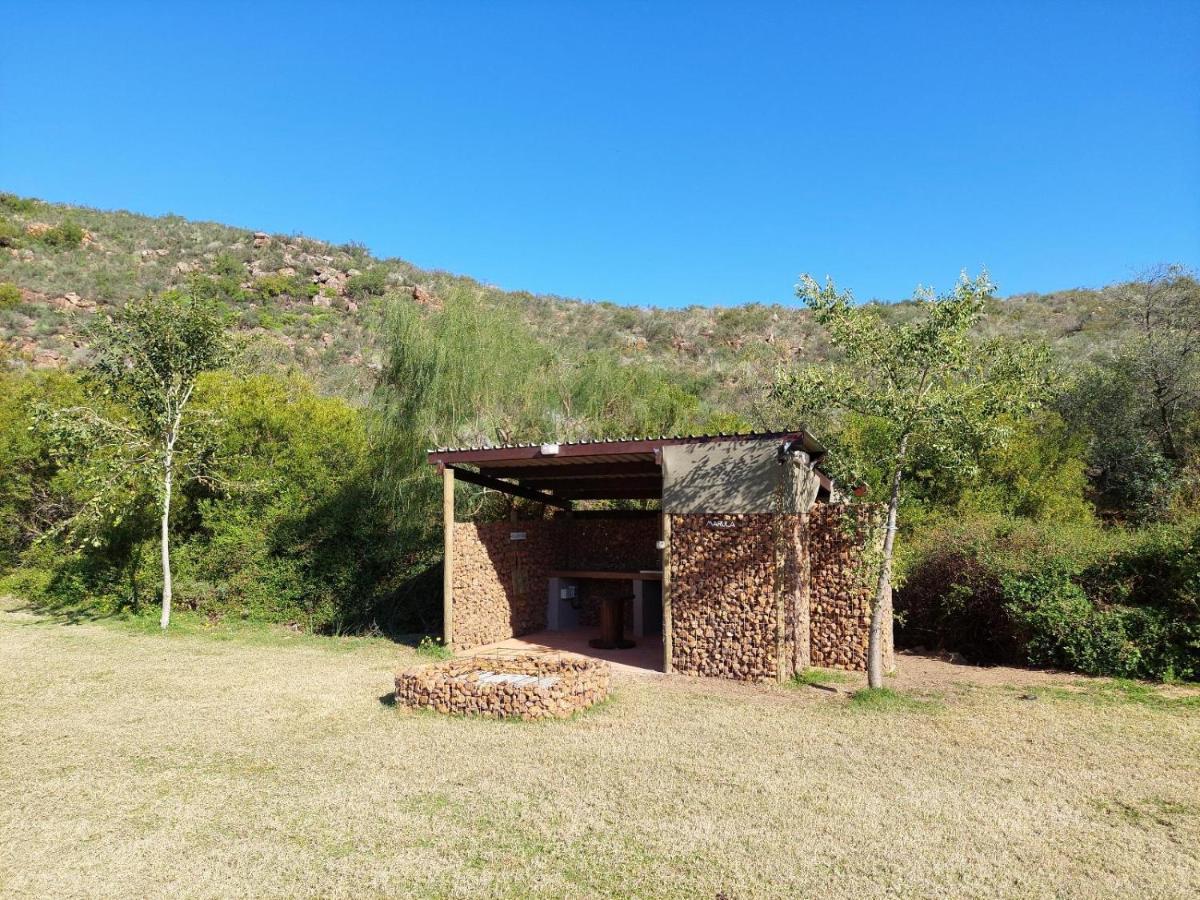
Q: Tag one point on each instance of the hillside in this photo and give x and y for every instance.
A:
(318, 307)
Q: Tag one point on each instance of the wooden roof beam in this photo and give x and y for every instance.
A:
(507, 487)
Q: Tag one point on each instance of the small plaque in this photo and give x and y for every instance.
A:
(516, 536)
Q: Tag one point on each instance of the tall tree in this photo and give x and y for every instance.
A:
(148, 357)
(1163, 358)
(924, 384)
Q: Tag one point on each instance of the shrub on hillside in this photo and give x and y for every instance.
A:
(16, 204)
(11, 234)
(63, 236)
(371, 283)
(10, 295)
(269, 287)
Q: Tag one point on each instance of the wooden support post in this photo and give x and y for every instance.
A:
(668, 667)
(805, 485)
(780, 584)
(448, 564)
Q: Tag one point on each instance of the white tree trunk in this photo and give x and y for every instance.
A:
(884, 585)
(168, 463)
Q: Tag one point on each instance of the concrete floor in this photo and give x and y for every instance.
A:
(644, 659)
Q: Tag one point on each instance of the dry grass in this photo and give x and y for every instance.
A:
(133, 765)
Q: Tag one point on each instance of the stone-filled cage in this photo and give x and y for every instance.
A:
(739, 556)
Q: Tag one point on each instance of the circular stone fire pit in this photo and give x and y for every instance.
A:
(544, 686)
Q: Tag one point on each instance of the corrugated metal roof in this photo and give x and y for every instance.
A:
(600, 442)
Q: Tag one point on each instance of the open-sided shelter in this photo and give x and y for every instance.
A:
(749, 567)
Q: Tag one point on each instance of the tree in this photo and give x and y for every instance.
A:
(1140, 406)
(1163, 358)
(924, 385)
(148, 357)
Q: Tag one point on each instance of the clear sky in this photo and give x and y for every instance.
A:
(646, 153)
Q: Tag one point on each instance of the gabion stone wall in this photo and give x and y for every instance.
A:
(723, 592)
(526, 687)
(725, 602)
(627, 542)
(841, 597)
(723, 605)
(499, 583)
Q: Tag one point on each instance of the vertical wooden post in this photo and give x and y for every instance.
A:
(805, 487)
(448, 564)
(802, 588)
(666, 593)
(780, 584)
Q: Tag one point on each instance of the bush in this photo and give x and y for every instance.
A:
(289, 529)
(372, 282)
(10, 295)
(62, 236)
(10, 234)
(269, 287)
(16, 204)
(1122, 603)
(226, 265)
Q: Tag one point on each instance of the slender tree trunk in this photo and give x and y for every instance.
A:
(875, 643)
(168, 464)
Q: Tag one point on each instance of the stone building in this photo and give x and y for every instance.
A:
(741, 564)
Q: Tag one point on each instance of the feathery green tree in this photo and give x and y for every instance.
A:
(148, 357)
(924, 384)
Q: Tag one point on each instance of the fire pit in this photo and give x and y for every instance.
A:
(540, 686)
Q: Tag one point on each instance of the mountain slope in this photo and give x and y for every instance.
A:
(319, 307)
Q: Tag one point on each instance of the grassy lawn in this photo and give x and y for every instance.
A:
(216, 763)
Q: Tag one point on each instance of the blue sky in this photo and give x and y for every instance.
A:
(641, 153)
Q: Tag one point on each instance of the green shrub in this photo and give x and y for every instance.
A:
(372, 282)
(226, 265)
(63, 236)
(1124, 603)
(1060, 626)
(10, 294)
(269, 287)
(16, 204)
(11, 234)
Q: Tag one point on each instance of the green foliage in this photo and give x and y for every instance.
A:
(11, 234)
(284, 527)
(269, 287)
(63, 236)
(10, 294)
(924, 387)
(150, 353)
(371, 283)
(918, 390)
(1138, 408)
(470, 374)
(226, 265)
(1103, 602)
(15, 204)
(32, 495)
